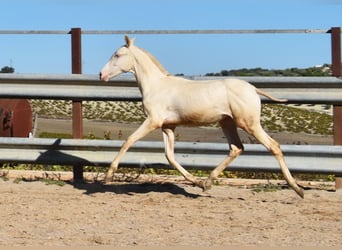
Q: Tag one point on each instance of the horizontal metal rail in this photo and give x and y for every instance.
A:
(301, 90)
(308, 158)
(167, 32)
(300, 158)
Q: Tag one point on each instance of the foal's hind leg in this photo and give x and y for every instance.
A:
(230, 131)
(274, 148)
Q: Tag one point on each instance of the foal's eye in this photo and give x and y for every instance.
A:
(116, 56)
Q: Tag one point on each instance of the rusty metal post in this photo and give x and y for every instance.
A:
(76, 68)
(336, 64)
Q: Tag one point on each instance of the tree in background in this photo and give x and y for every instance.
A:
(7, 69)
(320, 70)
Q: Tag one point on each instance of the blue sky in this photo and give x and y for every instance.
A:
(188, 54)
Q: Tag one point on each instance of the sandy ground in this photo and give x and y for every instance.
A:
(165, 213)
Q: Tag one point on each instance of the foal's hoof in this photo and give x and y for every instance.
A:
(205, 184)
(107, 179)
(300, 192)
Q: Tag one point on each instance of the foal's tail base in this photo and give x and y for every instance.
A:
(260, 92)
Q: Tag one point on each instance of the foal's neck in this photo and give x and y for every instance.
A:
(146, 70)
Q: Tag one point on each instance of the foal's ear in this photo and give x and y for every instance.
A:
(129, 41)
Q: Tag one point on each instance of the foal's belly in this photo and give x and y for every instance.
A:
(194, 118)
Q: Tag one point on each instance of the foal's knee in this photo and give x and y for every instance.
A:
(235, 151)
(275, 150)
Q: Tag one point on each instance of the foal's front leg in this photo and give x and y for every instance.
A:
(144, 129)
(169, 140)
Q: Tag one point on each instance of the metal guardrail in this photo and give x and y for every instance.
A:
(167, 32)
(299, 90)
(300, 158)
(317, 90)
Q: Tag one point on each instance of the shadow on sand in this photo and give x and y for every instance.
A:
(132, 188)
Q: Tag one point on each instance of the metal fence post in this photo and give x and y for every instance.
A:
(76, 68)
(337, 71)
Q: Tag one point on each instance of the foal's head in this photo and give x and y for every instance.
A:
(122, 61)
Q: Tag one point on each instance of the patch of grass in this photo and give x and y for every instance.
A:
(91, 135)
(315, 177)
(277, 118)
(4, 176)
(48, 179)
(269, 187)
(17, 180)
(37, 167)
(53, 182)
(55, 135)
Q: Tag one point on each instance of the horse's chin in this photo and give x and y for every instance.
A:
(104, 77)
